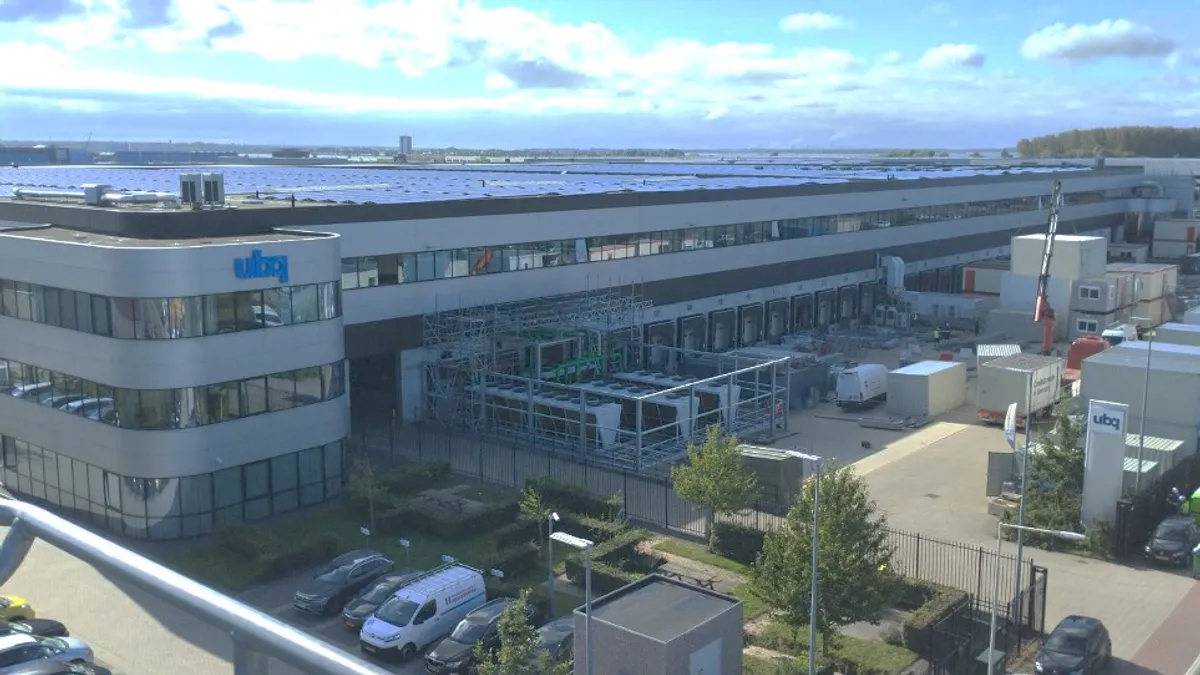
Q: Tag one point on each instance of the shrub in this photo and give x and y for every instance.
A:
(939, 602)
(615, 563)
(312, 551)
(517, 561)
(412, 480)
(737, 542)
(247, 541)
(588, 527)
(522, 531)
(570, 498)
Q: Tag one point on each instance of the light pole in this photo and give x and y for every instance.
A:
(1061, 534)
(1137, 477)
(816, 542)
(550, 520)
(584, 545)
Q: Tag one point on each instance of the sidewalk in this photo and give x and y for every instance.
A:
(1173, 647)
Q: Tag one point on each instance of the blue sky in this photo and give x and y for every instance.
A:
(594, 73)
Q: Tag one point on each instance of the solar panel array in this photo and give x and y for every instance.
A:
(397, 185)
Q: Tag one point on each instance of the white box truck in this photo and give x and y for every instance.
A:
(1005, 381)
(862, 386)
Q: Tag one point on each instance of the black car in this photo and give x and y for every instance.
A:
(338, 581)
(57, 668)
(456, 653)
(1078, 645)
(365, 603)
(1173, 540)
(558, 638)
(35, 627)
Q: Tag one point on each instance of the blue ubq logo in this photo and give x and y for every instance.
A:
(1106, 420)
(259, 266)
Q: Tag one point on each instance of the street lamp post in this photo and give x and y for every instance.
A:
(584, 545)
(550, 520)
(1137, 476)
(1061, 534)
(816, 542)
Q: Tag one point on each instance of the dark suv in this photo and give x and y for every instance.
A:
(337, 581)
(1173, 541)
(1078, 645)
(456, 653)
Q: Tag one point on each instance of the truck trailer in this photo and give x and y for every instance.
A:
(1004, 381)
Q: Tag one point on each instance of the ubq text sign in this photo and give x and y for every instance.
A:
(1106, 418)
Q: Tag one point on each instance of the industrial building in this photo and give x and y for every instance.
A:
(193, 347)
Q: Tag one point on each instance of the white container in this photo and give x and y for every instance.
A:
(1154, 280)
(1178, 334)
(1020, 293)
(1118, 375)
(1182, 230)
(1173, 250)
(1132, 253)
(1075, 256)
(1155, 312)
(983, 278)
(1006, 380)
(862, 386)
(927, 388)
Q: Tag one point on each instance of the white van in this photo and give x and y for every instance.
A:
(422, 612)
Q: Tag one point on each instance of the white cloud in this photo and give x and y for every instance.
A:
(795, 23)
(954, 55)
(1183, 59)
(1080, 42)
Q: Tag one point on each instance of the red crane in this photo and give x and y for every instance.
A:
(1042, 312)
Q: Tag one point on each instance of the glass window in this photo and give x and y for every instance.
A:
(190, 405)
(196, 494)
(66, 310)
(37, 307)
(66, 478)
(425, 266)
(258, 479)
(81, 485)
(281, 389)
(442, 265)
(408, 267)
(101, 315)
(8, 298)
(308, 385)
(333, 469)
(349, 273)
(283, 483)
(128, 408)
(123, 313)
(222, 402)
(248, 308)
(23, 301)
(83, 312)
(187, 317)
(304, 303)
(283, 304)
(270, 315)
(311, 471)
(153, 319)
(368, 272)
(329, 301)
(388, 269)
(254, 396)
(158, 409)
(227, 487)
(53, 309)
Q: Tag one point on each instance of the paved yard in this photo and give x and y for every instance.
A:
(933, 482)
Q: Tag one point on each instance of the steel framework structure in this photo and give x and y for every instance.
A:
(255, 635)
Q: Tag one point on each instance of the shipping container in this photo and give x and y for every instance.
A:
(983, 278)
(1150, 313)
(1131, 253)
(927, 389)
(1020, 292)
(1075, 256)
(1084, 324)
(1101, 295)
(1119, 375)
(1175, 232)
(1178, 333)
(987, 353)
(1172, 250)
(1005, 381)
(1154, 280)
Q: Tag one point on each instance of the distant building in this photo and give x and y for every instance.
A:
(405, 145)
(291, 153)
(40, 155)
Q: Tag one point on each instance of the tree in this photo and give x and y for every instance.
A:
(1115, 142)
(1005, 154)
(533, 506)
(854, 558)
(365, 483)
(1054, 496)
(714, 477)
(519, 652)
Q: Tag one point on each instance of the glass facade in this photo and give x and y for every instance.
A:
(397, 268)
(174, 508)
(158, 409)
(170, 318)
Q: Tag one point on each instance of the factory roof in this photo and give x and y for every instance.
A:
(659, 608)
(927, 367)
(62, 235)
(429, 183)
(1139, 268)
(1165, 357)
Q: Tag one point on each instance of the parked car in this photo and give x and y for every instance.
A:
(57, 668)
(558, 638)
(456, 653)
(14, 608)
(338, 581)
(35, 627)
(1078, 645)
(370, 598)
(20, 650)
(1173, 540)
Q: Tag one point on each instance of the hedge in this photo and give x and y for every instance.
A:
(568, 497)
(272, 557)
(505, 588)
(607, 573)
(521, 531)
(931, 603)
(437, 522)
(737, 542)
(314, 550)
(516, 561)
(405, 482)
(588, 527)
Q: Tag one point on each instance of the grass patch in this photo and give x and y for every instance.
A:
(752, 606)
(566, 598)
(753, 665)
(486, 494)
(868, 657)
(700, 553)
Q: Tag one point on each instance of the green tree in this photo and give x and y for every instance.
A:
(533, 506)
(855, 579)
(365, 483)
(519, 652)
(1115, 142)
(1005, 154)
(714, 477)
(1054, 496)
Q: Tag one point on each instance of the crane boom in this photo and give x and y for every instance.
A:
(1043, 313)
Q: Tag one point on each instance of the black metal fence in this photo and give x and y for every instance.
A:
(1138, 515)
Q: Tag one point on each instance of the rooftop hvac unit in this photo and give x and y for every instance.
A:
(93, 193)
(202, 189)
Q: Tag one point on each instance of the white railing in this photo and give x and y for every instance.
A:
(255, 636)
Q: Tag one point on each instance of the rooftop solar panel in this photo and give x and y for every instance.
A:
(424, 183)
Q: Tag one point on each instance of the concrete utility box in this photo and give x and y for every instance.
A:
(927, 388)
(1178, 334)
(780, 475)
(1075, 256)
(659, 626)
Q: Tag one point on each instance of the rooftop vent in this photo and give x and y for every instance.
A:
(202, 189)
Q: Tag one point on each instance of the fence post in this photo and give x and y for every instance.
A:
(918, 565)
(666, 504)
(480, 464)
(515, 482)
(979, 575)
(420, 443)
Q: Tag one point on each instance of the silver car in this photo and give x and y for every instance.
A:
(18, 650)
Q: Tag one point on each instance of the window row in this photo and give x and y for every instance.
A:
(170, 318)
(157, 409)
(385, 270)
(173, 508)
